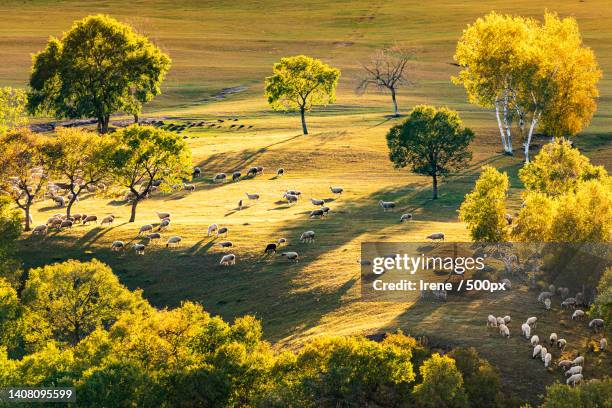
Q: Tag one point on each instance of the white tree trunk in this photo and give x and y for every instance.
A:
(501, 128)
(507, 125)
(534, 122)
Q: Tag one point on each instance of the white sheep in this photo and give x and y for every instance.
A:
(40, 230)
(162, 215)
(574, 379)
(282, 241)
(405, 217)
(544, 295)
(108, 220)
(252, 196)
(219, 177)
(526, 330)
(596, 324)
(308, 236)
(188, 187)
(547, 359)
(145, 228)
(561, 343)
(90, 218)
(117, 246)
(504, 331)
(547, 303)
(578, 314)
(226, 244)
(552, 339)
(536, 351)
(574, 370)
(507, 319)
(532, 321)
(66, 224)
(227, 260)
(280, 172)
(491, 321)
(223, 231)
(565, 363)
(569, 302)
(139, 248)
(315, 201)
(336, 190)
(294, 192)
(212, 228)
(153, 236)
(291, 198)
(535, 339)
(543, 353)
(603, 344)
(578, 361)
(438, 236)
(317, 213)
(163, 224)
(173, 241)
(507, 283)
(292, 256)
(500, 321)
(386, 205)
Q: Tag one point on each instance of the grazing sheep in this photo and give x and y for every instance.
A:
(162, 215)
(543, 353)
(153, 236)
(90, 218)
(223, 231)
(317, 213)
(139, 248)
(574, 370)
(260, 170)
(314, 201)
(291, 198)
(532, 321)
(227, 260)
(536, 351)
(535, 340)
(578, 361)
(236, 175)
(145, 228)
(189, 187)
(551, 288)
(563, 292)
(78, 217)
(66, 224)
(547, 303)
(569, 302)
(507, 283)
(386, 205)
(252, 196)
(500, 321)
(197, 172)
(252, 172)
(60, 201)
(547, 359)
(226, 244)
(212, 228)
(164, 224)
(405, 217)
(491, 321)
(108, 220)
(561, 343)
(294, 192)
(578, 314)
(117, 246)
(173, 241)
(438, 236)
(219, 177)
(526, 329)
(292, 256)
(507, 319)
(280, 172)
(552, 339)
(544, 295)
(282, 241)
(596, 324)
(574, 379)
(270, 248)
(308, 236)
(336, 190)
(504, 331)
(40, 230)
(565, 363)
(603, 344)
(325, 210)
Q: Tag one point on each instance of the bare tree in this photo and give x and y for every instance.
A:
(386, 71)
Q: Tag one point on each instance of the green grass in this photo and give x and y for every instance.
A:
(215, 45)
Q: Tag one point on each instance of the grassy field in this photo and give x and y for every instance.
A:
(217, 45)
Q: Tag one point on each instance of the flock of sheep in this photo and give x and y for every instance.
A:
(573, 368)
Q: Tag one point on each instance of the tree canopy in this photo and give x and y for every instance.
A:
(13, 113)
(299, 83)
(432, 141)
(99, 67)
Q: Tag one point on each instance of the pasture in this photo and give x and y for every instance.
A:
(220, 46)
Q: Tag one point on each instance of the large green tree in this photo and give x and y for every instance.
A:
(13, 112)
(432, 141)
(145, 154)
(300, 83)
(99, 67)
(442, 385)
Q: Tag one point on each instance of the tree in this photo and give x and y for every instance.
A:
(484, 209)
(387, 71)
(558, 168)
(12, 109)
(79, 157)
(99, 67)
(602, 306)
(301, 82)
(592, 394)
(529, 72)
(22, 168)
(442, 384)
(481, 380)
(145, 154)
(432, 141)
(77, 297)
